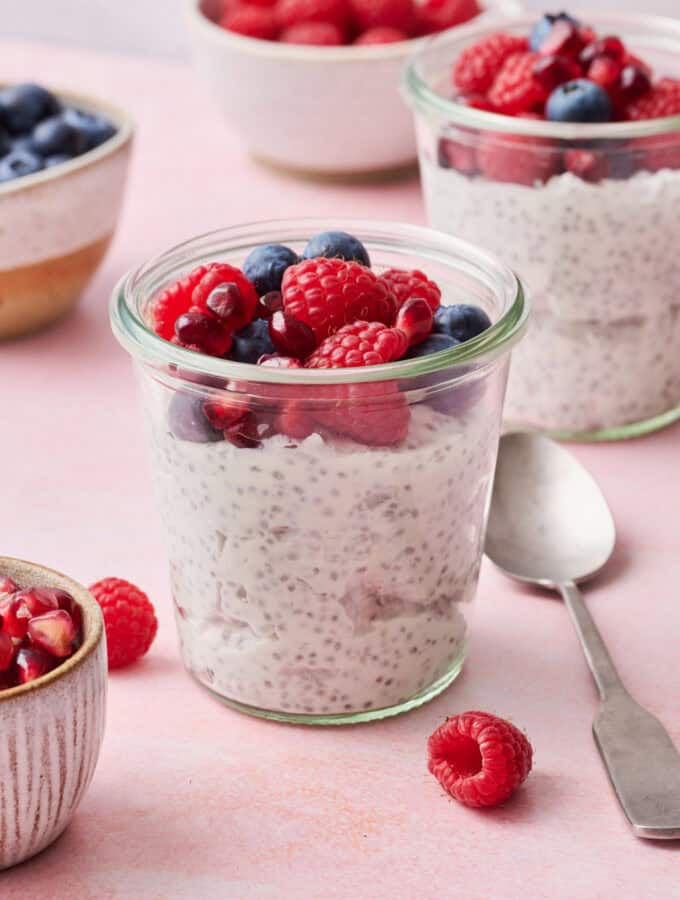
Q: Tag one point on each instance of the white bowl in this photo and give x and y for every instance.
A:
(51, 730)
(56, 226)
(325, 110)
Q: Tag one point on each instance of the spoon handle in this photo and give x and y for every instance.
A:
(641, 760)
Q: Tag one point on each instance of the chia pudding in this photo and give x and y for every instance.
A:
(326, 573)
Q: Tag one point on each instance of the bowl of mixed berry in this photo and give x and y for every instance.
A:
(312, 85)
(52, 703)
(323, 411)
(554, 141)
(63, 165)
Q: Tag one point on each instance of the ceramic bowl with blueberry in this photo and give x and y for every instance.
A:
(58, 151)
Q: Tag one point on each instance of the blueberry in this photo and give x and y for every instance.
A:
(23, 142)
(337, 245)
(19, 163)
(57, 159)
(56, 135)
(22, 106)
(251, 342)
(188, 422)
(579, 100)
(461, 321)
(93, 128)
(264, 266)
(433, 344)
(541, 29)
(6, 145)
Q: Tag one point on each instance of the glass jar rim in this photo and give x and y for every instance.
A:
(143, 343)
(421, 97)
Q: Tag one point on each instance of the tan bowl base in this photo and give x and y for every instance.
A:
(34, 296)
(401, 172)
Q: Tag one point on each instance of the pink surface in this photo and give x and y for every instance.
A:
(193, 800)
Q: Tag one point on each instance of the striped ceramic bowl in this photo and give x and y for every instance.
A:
(50, 731)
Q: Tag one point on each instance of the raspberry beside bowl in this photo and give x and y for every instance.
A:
(312, 109)
(54, 235)
(51, 729)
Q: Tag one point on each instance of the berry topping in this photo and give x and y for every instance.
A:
(15, 616)
(219, 274)
(543, 27)
(22, 106)
(226, 304)
(434, 343)
(479, 64)
(337, 245)
(375, 414)
(517, 159)
(479, 759)
(457, 155)
(563, 39)
(53, 632)
(129, 620)
(551, 71)
(319, 34)
(251, 342)
(92, 129)
(251, 21)
(18, 164)
(175, 300)
(329, 293)
(579, 101)
(37, 601)
(224, 412)
(295, 12)
(514, 89)
(268, 304)
(6, 651)
(437, 15)
(382, 13)
(264, 266)
(381, 36)
(187, 420)
(406, 284)
(203, 333)
(57, 135)
(460, 321)
(359, 344)
(414, 319)
(662, 100)
(31, 663)
(291, 336)
(7, 585)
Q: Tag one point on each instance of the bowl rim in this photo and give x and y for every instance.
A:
(90, 103)
(92, 615)
(346, 53)
(427, 101)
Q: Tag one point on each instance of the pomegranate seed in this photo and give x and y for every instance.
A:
(290, 336)
(415, 320)
(244, 433)
(226, 303)
(6, 651)
(15, 617)
(634, 83)
(279, 362)
(53, 632)
(7, 585)
(206, 334)
(552, 71)
(604, 71)
(225, 412)
(610, 46)
(31, 663)
(587, 34)
(37, 601)
(268, 304)
(562, 40)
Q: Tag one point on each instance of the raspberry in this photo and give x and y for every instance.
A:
(457, 155)
(359, 344)
(662, 100)
(295, 12)
(174, 301)
(436, 15)
(382, 14)
(372, 413)
(408, 284)
(514, 89)
(129, 620)
(251, 21)
(320, 34)
(478, 65)
(220, 274)
(381, 36)
(479, 759)
(517, 159)
(330, 293)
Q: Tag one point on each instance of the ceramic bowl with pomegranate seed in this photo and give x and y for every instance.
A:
(53, 681)
(59, 217)
(564, 158)
(329, 110)
(324, 521)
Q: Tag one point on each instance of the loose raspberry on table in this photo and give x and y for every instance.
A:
(478, 65)
(663, 99)
(220, 274)
(173, 301)
(437, 15)
(295, 12)
(479, 759)
(382, 14)
(318, 34)
(407, 284)
(381, 36)
(129, 620)
(514, 89)
(252, 21)
(329, 293)
(359, 344)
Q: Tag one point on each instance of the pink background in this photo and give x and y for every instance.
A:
(193, 800)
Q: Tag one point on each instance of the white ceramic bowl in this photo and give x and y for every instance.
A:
(321, 110)
(51, 731)
(56, 226)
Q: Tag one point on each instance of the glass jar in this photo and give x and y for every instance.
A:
(324, 556)
(588, 215)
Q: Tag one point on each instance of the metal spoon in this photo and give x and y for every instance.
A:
(549, 525)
